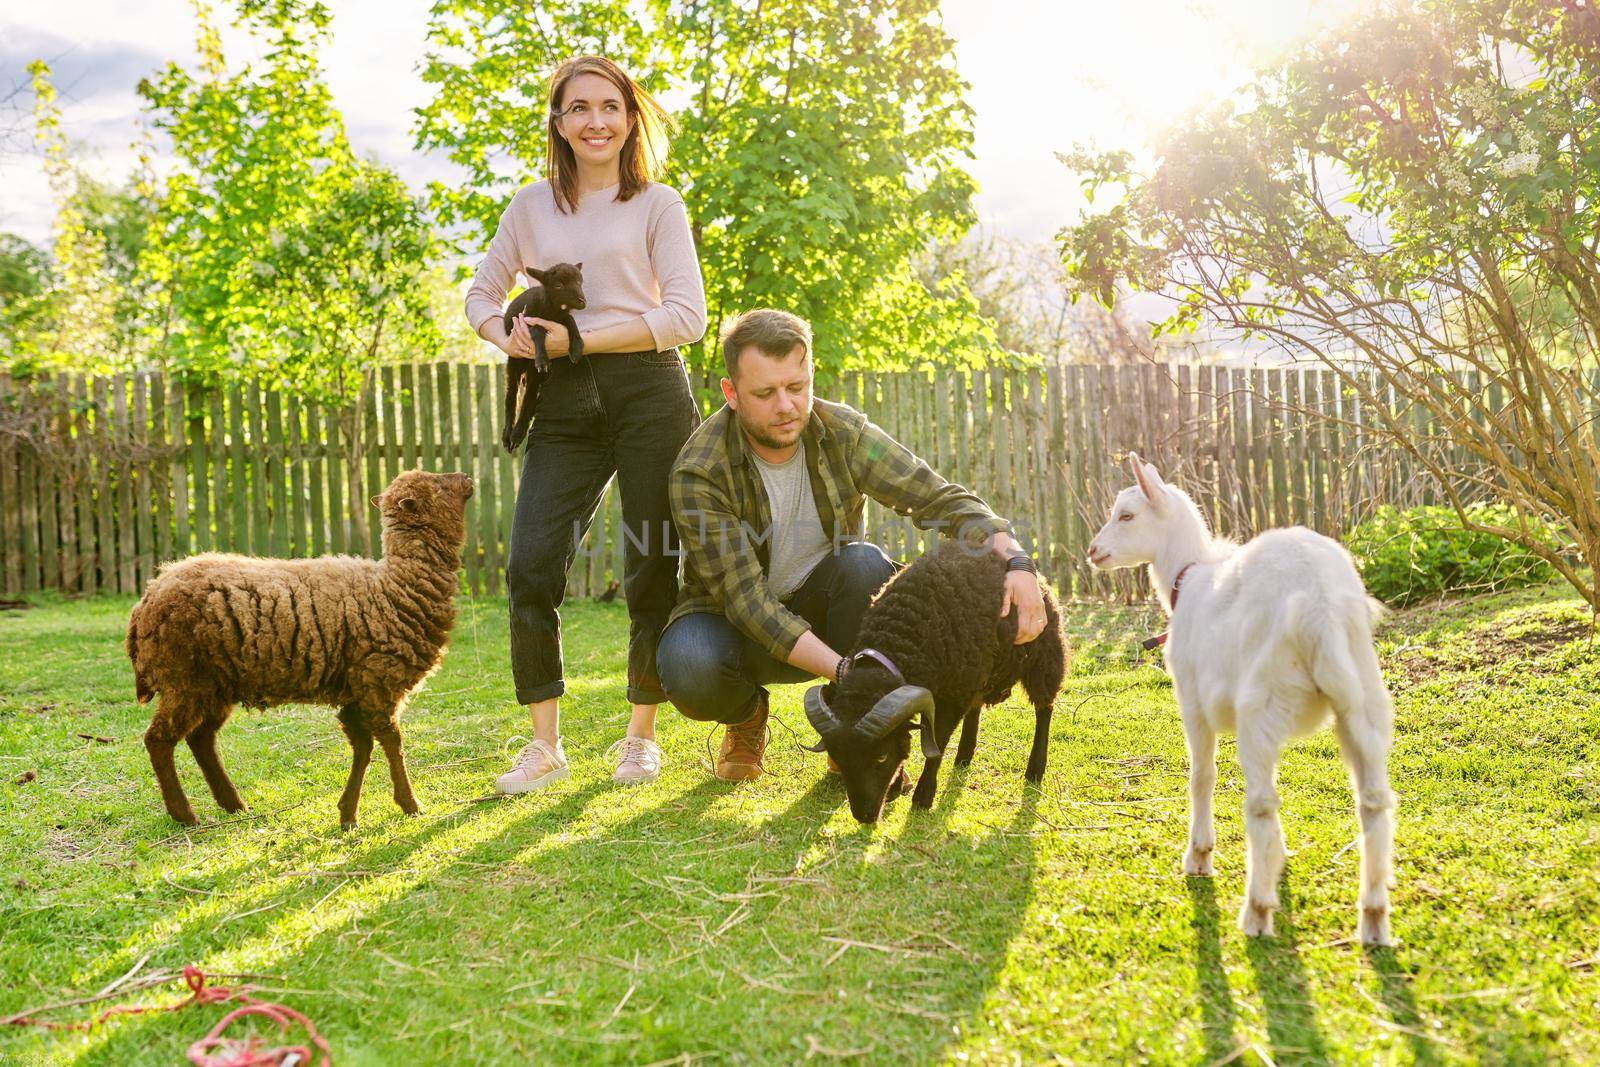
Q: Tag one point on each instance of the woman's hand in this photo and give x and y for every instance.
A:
(555, 338)
(518, 344)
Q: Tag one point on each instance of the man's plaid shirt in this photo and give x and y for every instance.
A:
(720, 507)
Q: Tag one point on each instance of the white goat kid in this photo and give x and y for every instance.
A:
(1271, 637)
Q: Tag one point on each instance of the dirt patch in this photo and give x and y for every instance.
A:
(1524, 636)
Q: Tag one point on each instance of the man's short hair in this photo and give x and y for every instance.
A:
(774, 332)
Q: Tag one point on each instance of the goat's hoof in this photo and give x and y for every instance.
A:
(1255, 920)
(347, 824)
(184, 815)
(1197, 862)
(1374, 927)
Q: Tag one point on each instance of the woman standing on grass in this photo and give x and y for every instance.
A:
(625, 409)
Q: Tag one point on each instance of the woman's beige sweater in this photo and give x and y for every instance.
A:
(638, 259)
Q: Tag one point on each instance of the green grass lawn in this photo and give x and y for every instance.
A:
(689, 921)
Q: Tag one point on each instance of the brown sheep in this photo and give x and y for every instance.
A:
(216, 630)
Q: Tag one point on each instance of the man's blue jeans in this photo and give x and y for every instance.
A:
(714, 673)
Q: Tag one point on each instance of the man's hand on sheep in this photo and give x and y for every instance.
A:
(1022, 589)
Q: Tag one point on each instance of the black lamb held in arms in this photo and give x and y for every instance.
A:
(554, 295)
(934, 650)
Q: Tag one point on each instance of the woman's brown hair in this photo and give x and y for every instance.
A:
(644, 153)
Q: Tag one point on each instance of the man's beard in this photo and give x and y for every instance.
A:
(763, 435)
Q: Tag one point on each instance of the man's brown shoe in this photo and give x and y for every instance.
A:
(739, 758)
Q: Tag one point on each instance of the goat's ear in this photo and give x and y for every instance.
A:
(1149, 479)
(579, 264)
(534, 274)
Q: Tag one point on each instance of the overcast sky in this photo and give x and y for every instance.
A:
(1044, 74)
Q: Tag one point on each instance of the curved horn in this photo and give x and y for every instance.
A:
(822, 717)
(893, 710)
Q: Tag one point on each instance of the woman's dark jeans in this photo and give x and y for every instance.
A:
(714, 673)
(614, 413)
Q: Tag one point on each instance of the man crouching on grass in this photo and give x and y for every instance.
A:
(768, 496)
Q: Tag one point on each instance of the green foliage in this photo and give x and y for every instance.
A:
(1410, 554)
(277, 251)
(819, 150)
(24, 275)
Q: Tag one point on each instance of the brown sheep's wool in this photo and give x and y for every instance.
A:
(217, 630)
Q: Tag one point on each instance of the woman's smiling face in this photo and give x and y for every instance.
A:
(594, 119)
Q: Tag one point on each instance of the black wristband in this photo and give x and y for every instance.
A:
(839, 670)
(1021, 562)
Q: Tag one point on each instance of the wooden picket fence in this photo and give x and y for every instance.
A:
(102, 479)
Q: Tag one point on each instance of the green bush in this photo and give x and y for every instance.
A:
(1411, 554)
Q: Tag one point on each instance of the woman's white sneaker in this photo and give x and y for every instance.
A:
(536, 766)
(638, 760)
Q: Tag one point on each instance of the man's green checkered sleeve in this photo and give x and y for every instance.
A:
(892, 474)
(718, 549)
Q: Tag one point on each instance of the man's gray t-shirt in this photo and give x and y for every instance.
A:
(798, 540)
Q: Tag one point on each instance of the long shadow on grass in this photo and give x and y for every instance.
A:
(1217, 1014)
(300, 899)
(519, 949)
(1281, 980)
(1394, 987)
(685, 928)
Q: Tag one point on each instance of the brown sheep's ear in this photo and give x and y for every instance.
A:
(409, 503)
(377, 501)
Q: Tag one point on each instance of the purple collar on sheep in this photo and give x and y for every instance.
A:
(885, 661)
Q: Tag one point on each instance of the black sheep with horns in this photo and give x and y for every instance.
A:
(933, 651)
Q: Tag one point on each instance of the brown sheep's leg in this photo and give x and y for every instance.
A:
(203, 743)
(355, 728)
(388, 736)
(170, 723)
(969, 737)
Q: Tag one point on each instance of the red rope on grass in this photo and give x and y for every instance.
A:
(231, 1051)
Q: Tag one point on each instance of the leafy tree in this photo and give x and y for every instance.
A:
(277, 251)
(25, 274)
(59, 318)
(819, 151)
(1415, 201)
